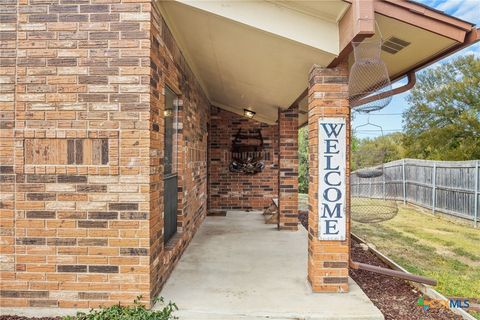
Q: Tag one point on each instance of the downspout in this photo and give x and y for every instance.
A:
(392, 273)
(412, 79)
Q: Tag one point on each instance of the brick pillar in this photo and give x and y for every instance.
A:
(329, 205)
(288, 169)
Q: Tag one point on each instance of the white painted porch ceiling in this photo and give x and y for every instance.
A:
(243, 66)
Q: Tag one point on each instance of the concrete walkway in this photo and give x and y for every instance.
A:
(237, 267)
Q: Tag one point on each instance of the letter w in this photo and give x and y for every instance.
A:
(335, 129)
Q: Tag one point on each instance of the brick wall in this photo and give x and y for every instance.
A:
(327, 260)
(169, 68)
(81, 104)
(8, 44)
(230, 191)
(288, 166)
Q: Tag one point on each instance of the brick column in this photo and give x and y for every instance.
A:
(328, 258)
(288, 168)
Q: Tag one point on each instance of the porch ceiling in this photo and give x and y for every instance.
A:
(245, 61)
(257, 54)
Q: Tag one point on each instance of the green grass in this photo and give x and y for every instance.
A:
(426, 245)
(430, 246)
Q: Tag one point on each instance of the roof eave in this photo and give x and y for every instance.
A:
(471, 38)
(408, 11)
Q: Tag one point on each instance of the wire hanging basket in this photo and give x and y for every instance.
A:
(369, 161)
(371, 210)
(370, 172)
(368, 77)
(371, 202)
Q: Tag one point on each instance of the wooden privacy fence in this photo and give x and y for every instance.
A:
(450, 187)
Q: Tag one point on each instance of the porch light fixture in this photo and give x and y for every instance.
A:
(248, 113)
(167, 112)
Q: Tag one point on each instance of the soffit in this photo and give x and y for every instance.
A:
(423, 46)
(241, 66)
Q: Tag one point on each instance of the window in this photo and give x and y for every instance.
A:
(170, 179)
(170, 118)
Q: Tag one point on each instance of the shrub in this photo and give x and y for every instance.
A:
(137, 311)
(303, 160)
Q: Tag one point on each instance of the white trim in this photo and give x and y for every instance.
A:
(282, 21)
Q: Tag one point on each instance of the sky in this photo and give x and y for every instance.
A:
(390, 118)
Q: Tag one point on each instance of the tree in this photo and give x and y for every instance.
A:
(303, 160)
(374, 151)
(443, 119)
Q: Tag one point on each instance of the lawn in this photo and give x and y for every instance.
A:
(428, 245)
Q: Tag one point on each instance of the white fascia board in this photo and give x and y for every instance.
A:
(276, 19)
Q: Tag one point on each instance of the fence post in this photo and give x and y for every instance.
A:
(404, 182)
(358, 187)
(370, 188)
(476, 194)
(434, 185)
(384, 191)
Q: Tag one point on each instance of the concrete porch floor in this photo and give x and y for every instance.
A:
(237, 267)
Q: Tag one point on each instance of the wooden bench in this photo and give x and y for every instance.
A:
(271, 213)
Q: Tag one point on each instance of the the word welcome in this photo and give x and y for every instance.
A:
(331, 178)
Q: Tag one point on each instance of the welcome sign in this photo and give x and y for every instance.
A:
(332, 136)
